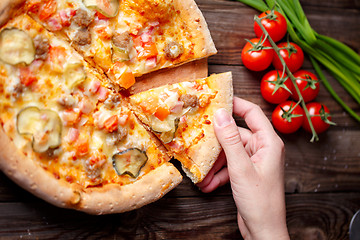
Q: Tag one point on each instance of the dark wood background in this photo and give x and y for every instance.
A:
(322, 179)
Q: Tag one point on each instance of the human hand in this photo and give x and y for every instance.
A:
(255, 168)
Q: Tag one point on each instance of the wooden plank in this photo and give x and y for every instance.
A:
(231, 22)
(309, 215)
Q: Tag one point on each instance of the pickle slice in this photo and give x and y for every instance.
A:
(108, 8)
(43, 125)
(129, 162)
(16, 46)
(74, 75)
(119, 54)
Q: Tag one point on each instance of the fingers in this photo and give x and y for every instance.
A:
(228, 135)
(220, 162)
(253, 115)
(218, 180)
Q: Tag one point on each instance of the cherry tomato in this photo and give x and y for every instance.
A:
(275, 80)
(255, 57)
(318, 122)
(274, 23)
(309, 87)
(293, 56)
(286, 122)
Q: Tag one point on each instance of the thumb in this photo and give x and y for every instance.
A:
(229, 137)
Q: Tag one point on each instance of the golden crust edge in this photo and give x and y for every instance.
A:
(117, 199)
(111, 198)
(192, 15)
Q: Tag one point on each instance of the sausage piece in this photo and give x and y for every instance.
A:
(82, 18)
(121, 40)
(173, 50)
(82, 37)
(41, 47)
(189, 100)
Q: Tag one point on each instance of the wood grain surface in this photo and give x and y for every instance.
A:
(322, 179)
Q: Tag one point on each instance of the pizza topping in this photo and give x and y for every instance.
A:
(129, 162)
(70, 116)
(108, 8)
(94, 166)
(66, 16)
(111, 124)
(43, 125)
(82, 37)
(82, 18)
(86, 106)
(66, 101)
(16, 46)
(47, 9)
(41, 47)
(27, 77)
(173, 50)
(112, 101)
(121, 43)
(189, 100)
(73, 135)
(167, 137)
(74, 74)
(122, 74)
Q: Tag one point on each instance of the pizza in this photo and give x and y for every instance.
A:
(74, 137)
(128, 38)
(181, 116)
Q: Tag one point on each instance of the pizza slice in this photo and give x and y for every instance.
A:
(65, 135)
(181, 116)
(128, 38)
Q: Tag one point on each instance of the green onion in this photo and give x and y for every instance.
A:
(340, 60)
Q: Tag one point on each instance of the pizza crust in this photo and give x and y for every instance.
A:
(111, 198)
(191, 14)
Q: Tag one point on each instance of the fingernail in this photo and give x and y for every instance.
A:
(222, 118)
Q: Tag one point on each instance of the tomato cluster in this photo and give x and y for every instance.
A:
(276, 87)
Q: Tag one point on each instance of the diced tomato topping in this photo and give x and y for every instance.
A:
(66, 15)
(125, 78)
(111, 123)
(33, 6)
(57, 56)
(150, 105)
(145, 47)
(161, 113)
(149, 50)
(82, 147)
(47, 9)
(103, 30)
(27, 77)
(101, 16)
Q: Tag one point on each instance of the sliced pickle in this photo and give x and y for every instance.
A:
(119, 54)
(129, 162)
(108, 8)
(43, 125)
(167, 137)
(74, 75)
(16, 46)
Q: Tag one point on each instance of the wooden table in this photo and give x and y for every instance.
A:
(322, 179)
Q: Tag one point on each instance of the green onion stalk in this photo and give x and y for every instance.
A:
(341, 61)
